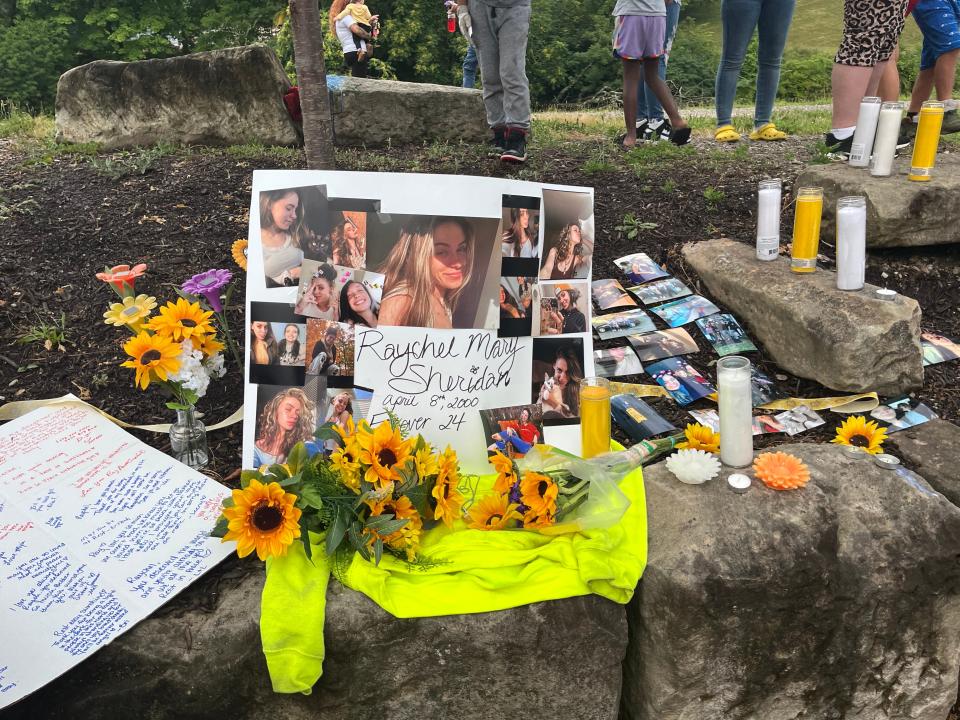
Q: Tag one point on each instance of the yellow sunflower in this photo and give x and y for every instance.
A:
(506, 472)
(239, 251)
(425, 463)
(154, 358)
(701, 437)
(182, 320)
(131, 312)
(346, 434)
(533, 521)
(207, 344)
(493, 512)
(346, 459)
(384, 451)
(407, 538)
(449, 501)
(263, 518)
(858, 432)
(539, 493)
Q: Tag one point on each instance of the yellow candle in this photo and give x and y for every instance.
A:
(925, 144)
(594, 417)
(806, 230)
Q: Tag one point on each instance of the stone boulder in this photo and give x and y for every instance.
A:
(848, 341)
(900, 213)
(932, 450)
(222, 97)
(374, 113)
(839, 601)
(203, 659)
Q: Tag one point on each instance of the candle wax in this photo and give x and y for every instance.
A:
(862, 144)
(806, 232)
(851, 247)
(594, 421)
(768, 223)
(735, 404)
(885, 145)
(925, 144)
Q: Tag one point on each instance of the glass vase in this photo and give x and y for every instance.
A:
(188, 439)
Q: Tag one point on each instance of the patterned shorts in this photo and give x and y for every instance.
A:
(871, 29)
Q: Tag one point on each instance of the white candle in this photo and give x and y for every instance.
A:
(851, 242)
(768, 219)
(885, 144)
(862, 144)
(735, 402)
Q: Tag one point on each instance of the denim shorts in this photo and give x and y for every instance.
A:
(939, 21)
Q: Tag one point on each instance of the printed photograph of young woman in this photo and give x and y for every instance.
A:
(329, 348)
(557, 374)
(437, 271)
(563, 308)
(568, 235)
(348, 239)
(285, 416)
(317, 296)
(289, 218)
(291, 342)
(263, 344)
(358, 293)
(521, 232)
(512, 430)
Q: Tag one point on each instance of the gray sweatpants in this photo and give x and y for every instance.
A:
(500, 35)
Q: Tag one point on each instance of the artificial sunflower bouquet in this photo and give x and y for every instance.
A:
(177, 348)
(376, 493)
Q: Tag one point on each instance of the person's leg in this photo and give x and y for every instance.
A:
(488, 51)
(922, 88)
(470, 67)
(632, 72)
(944, 74)
(512, 26)
(652, 108)
(739, 18)
(660, 88)
(889, 89)
(772, 27)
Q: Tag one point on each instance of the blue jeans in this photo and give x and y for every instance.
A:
(771, 18)
(470, 67)
(647, 104)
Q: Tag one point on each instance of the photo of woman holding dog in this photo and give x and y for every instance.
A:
(557, 374)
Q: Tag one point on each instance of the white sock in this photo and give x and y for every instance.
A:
(842, 133)
(949, 105)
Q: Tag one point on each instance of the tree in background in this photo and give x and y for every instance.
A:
(307, 30)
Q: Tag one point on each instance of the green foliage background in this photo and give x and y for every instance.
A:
(569, 58)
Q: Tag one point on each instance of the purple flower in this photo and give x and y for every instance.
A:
(209, 284)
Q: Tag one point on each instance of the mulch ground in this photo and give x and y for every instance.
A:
(63, 220)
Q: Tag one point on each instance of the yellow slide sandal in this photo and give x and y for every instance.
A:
(768, 132)
(726, 133)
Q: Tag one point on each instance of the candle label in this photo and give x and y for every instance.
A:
(858, 152)
(768, 248)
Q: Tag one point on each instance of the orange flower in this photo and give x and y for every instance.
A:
(493, 512)
(533, 521)
(539, 493)
(506, 472)
(122, 277)
(445, 492)
(781, 471)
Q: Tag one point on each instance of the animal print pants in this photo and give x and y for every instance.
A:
(871, 29)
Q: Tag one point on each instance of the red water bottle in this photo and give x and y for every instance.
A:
(451, 17)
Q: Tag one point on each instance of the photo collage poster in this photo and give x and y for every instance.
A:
(431, 297)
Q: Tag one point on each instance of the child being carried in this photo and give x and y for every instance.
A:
(361, 15)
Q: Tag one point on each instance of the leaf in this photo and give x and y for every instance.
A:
(278, 471)
(220, 529)
(326, 432)
(378, 521)
(390, 526)
(419, 497)
(356, 539)
(312, 497)
(305, 536)
(377, 551)
(297, 457)
(335, 533)
(247, 475)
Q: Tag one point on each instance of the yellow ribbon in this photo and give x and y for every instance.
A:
(639, 390)
(18, 408)
(862, 403)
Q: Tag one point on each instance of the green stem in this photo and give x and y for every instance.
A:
(225, 326)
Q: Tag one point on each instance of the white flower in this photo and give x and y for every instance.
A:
(216, 368)
(191, 375)
(693, 467)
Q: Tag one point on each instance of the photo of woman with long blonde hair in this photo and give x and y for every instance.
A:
(288, 418)
(281, 223)
(425, 273)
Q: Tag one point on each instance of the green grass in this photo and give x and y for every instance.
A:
(15, 123)
(52, 334)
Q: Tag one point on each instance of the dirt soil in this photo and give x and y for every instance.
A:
(66, 217)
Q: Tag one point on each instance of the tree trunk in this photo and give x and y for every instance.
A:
(307, 28)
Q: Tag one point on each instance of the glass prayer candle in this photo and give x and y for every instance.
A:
(735, 403)
(594, 417)
(768, 219)
(851, 242)
(885, 144)
(925, 144)
(862, 144)
(806, 229)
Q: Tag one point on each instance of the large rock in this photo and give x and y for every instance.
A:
(933, 449)
(381, 112)
(559, 659)
(221, 97)
(899, 212)
(840, 601)
(847, 341)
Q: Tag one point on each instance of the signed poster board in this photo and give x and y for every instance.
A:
(377, 293)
